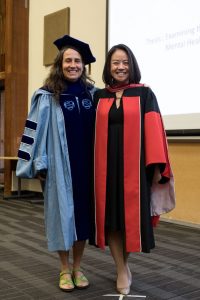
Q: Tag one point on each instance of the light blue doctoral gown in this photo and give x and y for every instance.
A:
(44, 146)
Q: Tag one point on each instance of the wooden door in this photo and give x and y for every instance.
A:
(16, 81)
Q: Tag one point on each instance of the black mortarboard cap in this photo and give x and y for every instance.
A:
(82, 47)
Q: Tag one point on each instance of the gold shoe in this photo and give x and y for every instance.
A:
(79, 279)
(65, 283)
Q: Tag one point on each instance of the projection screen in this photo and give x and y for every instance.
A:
(165, 38)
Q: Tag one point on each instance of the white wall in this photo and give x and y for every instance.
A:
(87, 23)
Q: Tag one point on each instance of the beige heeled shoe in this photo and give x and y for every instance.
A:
(126, 290)
(123, 291)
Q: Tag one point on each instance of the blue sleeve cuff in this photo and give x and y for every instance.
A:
(40, 163)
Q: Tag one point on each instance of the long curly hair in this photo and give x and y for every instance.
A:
(56, 82)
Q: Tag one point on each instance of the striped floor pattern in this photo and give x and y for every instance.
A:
(28, 271)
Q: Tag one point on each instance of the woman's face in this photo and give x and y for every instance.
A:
(72, 65)
(119, 66)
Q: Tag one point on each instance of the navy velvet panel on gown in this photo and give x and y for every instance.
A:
(79, 114)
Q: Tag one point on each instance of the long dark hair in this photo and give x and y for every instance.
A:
(56, 82)
(134, 70)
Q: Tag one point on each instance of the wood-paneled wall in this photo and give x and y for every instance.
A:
(185, 159)
(16, 80)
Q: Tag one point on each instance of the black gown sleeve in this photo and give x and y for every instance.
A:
(96, 98)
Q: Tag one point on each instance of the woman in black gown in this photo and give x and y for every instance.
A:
(129, 170)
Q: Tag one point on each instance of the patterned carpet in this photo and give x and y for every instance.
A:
(28, 271)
